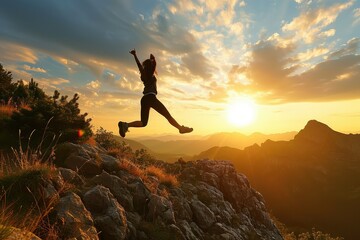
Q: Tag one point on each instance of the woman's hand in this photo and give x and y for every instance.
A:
(133, 52)
(152, 57)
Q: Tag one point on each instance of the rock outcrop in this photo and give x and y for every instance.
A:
(211, 201)
(318, 170)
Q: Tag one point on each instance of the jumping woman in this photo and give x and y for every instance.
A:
(149, 100)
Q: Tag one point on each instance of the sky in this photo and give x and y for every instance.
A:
(294, 60)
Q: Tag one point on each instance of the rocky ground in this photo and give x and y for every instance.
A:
(106, 200)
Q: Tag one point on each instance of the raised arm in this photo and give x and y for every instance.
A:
(141, 69)
(152, 58)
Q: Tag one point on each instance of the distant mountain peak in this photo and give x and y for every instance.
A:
(316, 125)
(316, 131)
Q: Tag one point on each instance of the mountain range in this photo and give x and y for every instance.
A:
(171, 150)
(310, 181)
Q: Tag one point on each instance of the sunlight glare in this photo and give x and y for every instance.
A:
(241, 112)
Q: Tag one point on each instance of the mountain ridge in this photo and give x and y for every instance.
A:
(211, 200)
(318, 170)
(191, 147)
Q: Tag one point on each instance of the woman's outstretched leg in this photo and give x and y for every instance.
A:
(136, 124)
(160, 108)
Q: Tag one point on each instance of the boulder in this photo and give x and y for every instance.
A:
(160, 209)
(223, 200)
(211, 179)
(71, 176)
(176, 233)
(141, 195)
(50, 194)
(87, 167)
(81, 158)
(197, 231)
(203, 216)
(185, 228)
(73, 219)
(117, 187)
(182, 209)
(110, 163)
(109, 216)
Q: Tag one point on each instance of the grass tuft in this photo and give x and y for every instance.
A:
(131, 168)
(24, 175)
(168, 180)
(7, 109)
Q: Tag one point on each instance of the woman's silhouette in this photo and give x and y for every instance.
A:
(149, 100)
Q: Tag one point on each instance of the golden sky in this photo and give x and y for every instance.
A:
(292, 60)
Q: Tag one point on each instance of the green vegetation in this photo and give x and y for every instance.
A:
(313, 235)
(24, 202)
(114, 147)
(25, 174)
(27, 108)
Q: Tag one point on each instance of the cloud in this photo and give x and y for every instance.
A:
(34, 69)
(350, 48)
(70, 64)
(18, 74)
(182, 6)
(237, 29)
(303, 1)
(356, 13)
(309, 26)
(89, 33)
(312, 53)
(16, 53)
(94, 85)
(273, 79)
(227, 14)
(51, 84)
(197, 64)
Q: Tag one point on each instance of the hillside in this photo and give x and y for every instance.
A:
(99, 196)
(137, 145)
(191, 147)
(310, 181)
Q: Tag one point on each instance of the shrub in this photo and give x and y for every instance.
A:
(6, 86)
(114, 147)
(106, 139)
(40, 108)
(313, 235)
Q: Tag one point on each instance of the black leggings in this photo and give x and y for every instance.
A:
(150, 101)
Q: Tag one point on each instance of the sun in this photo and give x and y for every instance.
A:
(241, 112)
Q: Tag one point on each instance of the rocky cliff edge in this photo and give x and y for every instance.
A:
(109, 199)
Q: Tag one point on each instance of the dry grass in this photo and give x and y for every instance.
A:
(23, 203)
(91, 141)
(34, 214)
(6, 110)
(164, 178)
(131, 168)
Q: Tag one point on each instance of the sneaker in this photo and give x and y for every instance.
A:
(184, 129)
(123, 128)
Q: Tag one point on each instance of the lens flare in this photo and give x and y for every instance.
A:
(81, 133)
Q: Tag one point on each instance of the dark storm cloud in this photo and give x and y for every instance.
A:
(67, 25)
(83, 30)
